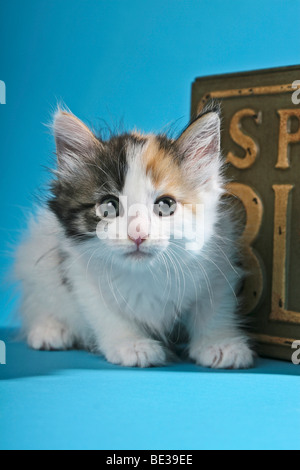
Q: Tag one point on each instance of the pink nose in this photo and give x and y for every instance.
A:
(138, 230)
(139, 240)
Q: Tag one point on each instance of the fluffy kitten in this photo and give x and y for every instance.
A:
(134, 240)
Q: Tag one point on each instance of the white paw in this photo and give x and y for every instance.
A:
(137, 353)
(50, 335)
(227, 355)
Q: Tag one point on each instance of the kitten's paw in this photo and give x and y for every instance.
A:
(228, 355)
(50, 335)
(137, 353)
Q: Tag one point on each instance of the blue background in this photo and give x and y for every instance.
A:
(131, 60)
(112, 60)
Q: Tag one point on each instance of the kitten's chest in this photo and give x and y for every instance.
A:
(153, 297)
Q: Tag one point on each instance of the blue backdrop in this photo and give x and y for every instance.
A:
(136, 60)
(113, 59)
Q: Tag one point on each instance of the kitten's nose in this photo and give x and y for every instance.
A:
(139, 240)
(138, 230)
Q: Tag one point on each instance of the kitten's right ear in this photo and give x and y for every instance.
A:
(199, 145)
(73, 138)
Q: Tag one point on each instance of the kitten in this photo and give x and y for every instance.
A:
(134, 240)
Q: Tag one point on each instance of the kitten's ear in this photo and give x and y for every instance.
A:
(199, 145)
(73, 138)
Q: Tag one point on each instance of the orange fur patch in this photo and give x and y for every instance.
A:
(166, 174)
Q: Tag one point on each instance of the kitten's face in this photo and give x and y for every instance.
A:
(136, 196)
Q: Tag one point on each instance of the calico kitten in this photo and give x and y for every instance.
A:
(134, 240)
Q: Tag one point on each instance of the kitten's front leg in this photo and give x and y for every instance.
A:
(216, 341)
(136, 352)
(122, 343)
(116, 337)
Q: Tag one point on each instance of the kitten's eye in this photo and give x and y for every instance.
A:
(165, 206)
(109, 207)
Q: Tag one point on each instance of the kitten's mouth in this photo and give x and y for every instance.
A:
(138, 255)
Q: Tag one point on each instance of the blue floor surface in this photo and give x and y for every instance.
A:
(74, 400)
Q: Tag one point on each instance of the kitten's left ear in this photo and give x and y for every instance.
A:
(199, 145)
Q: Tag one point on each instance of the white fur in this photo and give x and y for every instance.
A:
(127, 308)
